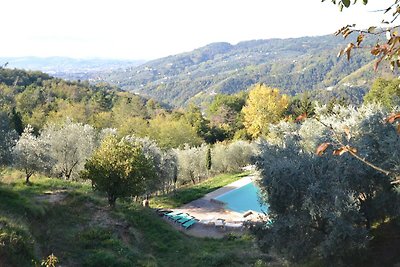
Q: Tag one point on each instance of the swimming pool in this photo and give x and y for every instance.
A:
(243, 199)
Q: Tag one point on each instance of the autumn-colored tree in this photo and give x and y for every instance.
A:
(264, 105)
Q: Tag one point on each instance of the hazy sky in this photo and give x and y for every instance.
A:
(147, 29)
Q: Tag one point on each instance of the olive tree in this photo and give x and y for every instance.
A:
(232, 157)
(323, 206)
(70, 145)
(191, 165)
(7, 139)
(31, 154)
(164, 162)
(119, 168)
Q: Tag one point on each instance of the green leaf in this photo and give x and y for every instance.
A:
(365, 2)
(346, 3)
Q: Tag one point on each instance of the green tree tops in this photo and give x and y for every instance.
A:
(119, 168)
(387, 92)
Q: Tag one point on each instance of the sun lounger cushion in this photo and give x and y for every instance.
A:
(174, 213)
(189, 223)
(185, 219)
(178, 216)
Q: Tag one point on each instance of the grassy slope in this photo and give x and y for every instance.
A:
(187, 194)
(77, 226)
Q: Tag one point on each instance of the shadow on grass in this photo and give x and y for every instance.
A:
(14, 203)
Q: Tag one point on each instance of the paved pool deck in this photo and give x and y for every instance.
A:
(207, 211)
(232, 186)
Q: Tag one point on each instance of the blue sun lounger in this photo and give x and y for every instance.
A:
(178, 216)
(189, 223)
(184, 219)
(174, 213)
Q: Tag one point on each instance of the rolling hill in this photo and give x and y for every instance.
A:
(294, 65)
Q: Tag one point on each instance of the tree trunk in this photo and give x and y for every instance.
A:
(28, 175)
(192, 178)
(111, 200)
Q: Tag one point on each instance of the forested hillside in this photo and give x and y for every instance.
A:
(293, 65)
(36, 98)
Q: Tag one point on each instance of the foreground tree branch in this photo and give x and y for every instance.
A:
(343, 148)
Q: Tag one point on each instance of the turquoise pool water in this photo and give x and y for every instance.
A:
(243, 199)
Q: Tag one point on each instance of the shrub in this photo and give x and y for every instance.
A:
(16, 244)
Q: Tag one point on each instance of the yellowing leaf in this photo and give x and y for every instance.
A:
(352, 149)
(360, 38)
(321, 148)
(392, 118)
(347, 50)
(340, 151)
(376, 50)
(301, 117)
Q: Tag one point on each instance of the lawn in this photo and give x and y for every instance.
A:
(192, 192)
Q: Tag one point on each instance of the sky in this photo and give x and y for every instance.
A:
(149, 29)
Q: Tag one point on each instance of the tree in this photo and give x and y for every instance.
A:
(264, 105)
(386, 92)
(31, 154)
(232, 157)
(195, 118)
(225, 113)
(8, 137)
(170, 133)
(208, 159)
(324, 207)
(301, 106)
(191, 165)
(119, 168)
(70, 145)
(164, 163)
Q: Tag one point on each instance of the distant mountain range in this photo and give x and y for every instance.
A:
(294, 65)
(68, 68)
